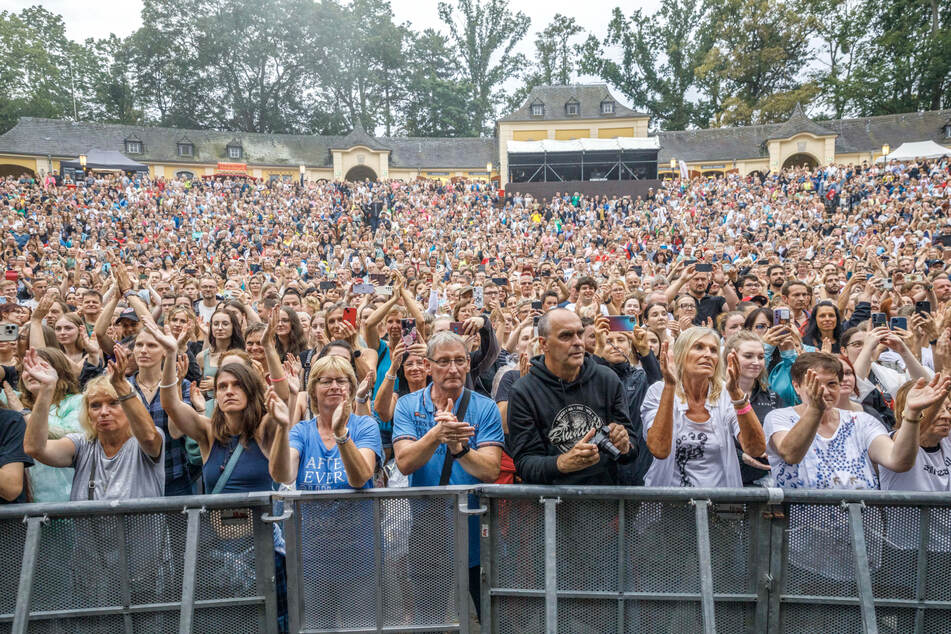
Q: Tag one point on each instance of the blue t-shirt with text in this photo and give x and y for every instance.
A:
(322, 469)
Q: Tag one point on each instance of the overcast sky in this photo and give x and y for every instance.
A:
(98, 18)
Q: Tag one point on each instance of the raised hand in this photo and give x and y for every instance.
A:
(341, 417)
(733, 376)
(118, 366)
(813, 392)
(667, 364)
(396, 356)
(43, 307)
(366, 386)
(164, 338)
(38, 374)
(276, 408)
(924, 394)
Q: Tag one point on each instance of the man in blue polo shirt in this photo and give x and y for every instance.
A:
(445, 434)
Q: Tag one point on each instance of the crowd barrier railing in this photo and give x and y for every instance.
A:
(604, 559)
(379, 560)
(186, 564)
(569, 559)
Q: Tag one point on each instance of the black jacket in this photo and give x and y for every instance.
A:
(763, 402)
(635, 382)
(547, 416)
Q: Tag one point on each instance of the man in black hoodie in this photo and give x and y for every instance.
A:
(555, 410)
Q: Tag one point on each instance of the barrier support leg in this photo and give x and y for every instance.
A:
(921, 583)
(187, 616)
(21, 614)
(863, 577)
(705, 562)
(295, 610)
(461, 550)
(551, 566)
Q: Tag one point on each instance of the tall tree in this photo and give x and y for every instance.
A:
(556, 58)
(658, 57)
(760, 48)
(906, 65)
(363, 69)
(39, 68)
(485, 33)
(840, 33)
(437, 99)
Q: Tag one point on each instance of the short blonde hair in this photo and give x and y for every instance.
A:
(325, 365)
(96, 387)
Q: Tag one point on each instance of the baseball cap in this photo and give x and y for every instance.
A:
(129, 314)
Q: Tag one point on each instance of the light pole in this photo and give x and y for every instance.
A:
(303, 169)
(82, 164)
(886, 149)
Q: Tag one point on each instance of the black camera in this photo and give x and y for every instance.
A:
(602, 440)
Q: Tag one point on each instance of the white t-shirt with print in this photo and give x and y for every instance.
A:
(702, 454)
(931, 472)
(839, 462)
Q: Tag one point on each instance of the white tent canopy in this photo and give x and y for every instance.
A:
(584, 145)
(917, 150)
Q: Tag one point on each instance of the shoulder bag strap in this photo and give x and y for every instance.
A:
(460, 415)
(229, 468)
(94, 464)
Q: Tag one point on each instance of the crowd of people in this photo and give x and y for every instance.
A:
(169, 337)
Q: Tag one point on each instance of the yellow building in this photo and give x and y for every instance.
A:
(560, 133)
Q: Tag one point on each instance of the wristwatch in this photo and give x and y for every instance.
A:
(462, 452)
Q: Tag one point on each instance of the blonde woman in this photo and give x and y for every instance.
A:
(692, 417)
(118, 455)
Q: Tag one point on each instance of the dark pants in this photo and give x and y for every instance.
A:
(475, 586)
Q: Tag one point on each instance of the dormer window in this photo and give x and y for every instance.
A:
(607, 107)
(572, 108)
(538, 110)
(235, 151)
(186, 149)
(133, 146)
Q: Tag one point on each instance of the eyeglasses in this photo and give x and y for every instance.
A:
(338, 381)
(760, 327)
(688, 307)
(459, 362)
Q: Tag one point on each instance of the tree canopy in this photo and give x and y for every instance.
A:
(318, 66)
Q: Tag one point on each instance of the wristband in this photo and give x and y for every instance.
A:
(273, 381)
(342, 440)
(739, 402)
(172, 384)
(360, 400)
(462, 452)
(746, 410)
(391, 377)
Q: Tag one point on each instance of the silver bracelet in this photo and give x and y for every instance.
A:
(172, 384)
(391, 377)
(740, 402)
(342, 440)
(359, 400)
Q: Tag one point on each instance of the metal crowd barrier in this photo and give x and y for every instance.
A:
(379, 560)
(604, 559)
(202, 564)
(569, 559)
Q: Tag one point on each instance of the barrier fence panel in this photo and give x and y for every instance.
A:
(201, 564)
(378, 560)
(600, 559)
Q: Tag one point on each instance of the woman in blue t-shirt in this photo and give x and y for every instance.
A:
(336, 449)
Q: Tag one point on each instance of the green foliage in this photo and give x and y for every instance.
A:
(318, 66)
(557, 59)
(657, 58)
(485, 33)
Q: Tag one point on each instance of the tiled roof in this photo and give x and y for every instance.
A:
(35, 136)
(853, 136)
(554, 98)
